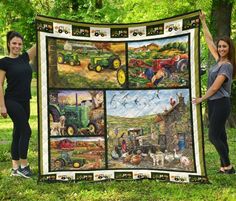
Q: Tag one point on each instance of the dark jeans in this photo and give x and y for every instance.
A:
(218, 112)
(19, 112)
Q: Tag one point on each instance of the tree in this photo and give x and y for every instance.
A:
(221, 17)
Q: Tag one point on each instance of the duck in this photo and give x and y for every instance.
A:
(169, 157)
(177, 156)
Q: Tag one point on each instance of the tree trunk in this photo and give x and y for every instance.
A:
(221, 17)
(75, 5)
(98, 4)
(52, 62)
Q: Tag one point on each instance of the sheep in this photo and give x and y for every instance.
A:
(159, 156)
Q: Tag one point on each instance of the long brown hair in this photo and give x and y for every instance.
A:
(10, 35)
(231, 55)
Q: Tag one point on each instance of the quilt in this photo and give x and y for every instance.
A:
(114, 100)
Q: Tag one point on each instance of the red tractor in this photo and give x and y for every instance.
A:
(179, 63)
(161, 68)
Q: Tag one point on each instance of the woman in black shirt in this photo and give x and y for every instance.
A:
(16, 101)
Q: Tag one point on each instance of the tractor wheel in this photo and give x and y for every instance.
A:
(72, 62)
(114, 62)
(170, 29)
(96, 34)
(59, 163)
(60, 30)
(98, 68)
(60, 58)
(182, 65)
(121, 76)
(92, 128)
(71, 130)
(76, 164)
(54, 114)
(135, 34)
(90, 67)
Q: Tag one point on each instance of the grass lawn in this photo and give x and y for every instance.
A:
(222, 187)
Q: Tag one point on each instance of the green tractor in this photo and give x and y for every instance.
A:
(66, 160)
(98, 63)
(71, 58)
(76, 118)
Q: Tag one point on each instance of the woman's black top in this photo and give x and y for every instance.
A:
(18, 76)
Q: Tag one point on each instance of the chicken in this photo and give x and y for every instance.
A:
(136, 159)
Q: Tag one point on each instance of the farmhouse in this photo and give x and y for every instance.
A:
(169, 121)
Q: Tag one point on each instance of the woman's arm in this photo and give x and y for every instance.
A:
(32, 52)
(3, 109)
(208, 37)
(212, 90)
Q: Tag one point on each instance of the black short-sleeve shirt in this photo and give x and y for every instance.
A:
(18, 76)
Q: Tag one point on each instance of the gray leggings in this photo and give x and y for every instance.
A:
(218, 112)
(19, 112)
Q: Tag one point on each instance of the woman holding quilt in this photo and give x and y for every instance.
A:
(218, 94)
(16, 102)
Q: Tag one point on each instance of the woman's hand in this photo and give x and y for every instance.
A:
(196, 101)
(3, 112)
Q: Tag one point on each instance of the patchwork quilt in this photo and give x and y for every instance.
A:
(115, 100)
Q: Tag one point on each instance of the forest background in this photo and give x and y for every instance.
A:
(20, 15)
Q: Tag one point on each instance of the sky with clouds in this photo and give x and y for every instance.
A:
(136, 103)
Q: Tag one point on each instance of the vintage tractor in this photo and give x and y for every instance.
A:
(191, 23)
(119, 34)
(81, 32)
(62, 29)
(66, 160)
(98, 63)
(171, 27)
(76, 117)
(177, 63)
(140, 142)
(69, 57)
(136, 32)
(155, 30)
(41, 26)
(99, 33)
